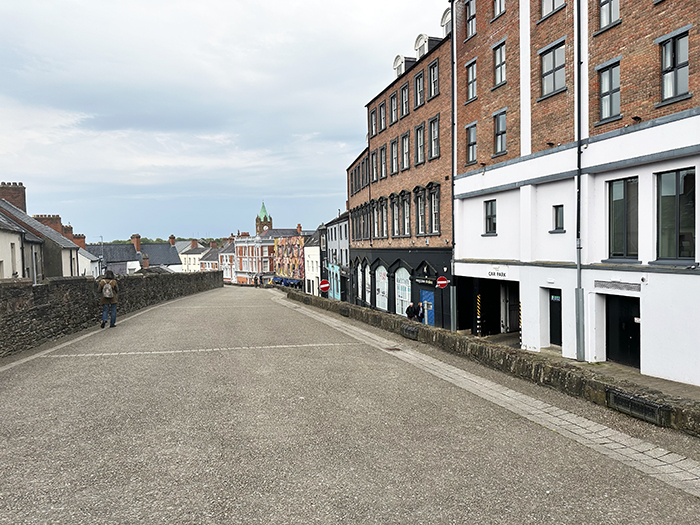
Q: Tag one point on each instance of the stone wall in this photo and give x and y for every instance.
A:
(680, 414)
(33, 314)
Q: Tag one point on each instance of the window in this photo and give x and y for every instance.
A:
(471, 144)
(374, 166)
(471, 81)
(382, 162)
(499, 126)
(434, 80)
(375, 220)
(549, 6)
(610, 92)
(676, 202)
(499, 63)
(396, 216)
(419, 89)
(471, 17)
(420, 144)
(623, 217)
(490, 216)
(420, 213)
(406, 214)
(382, 116)
(373, 122)
(405, 151)
(499, 6)
(384, 231)
(404, 100)
(393, 108)
(674, 67)
(403, 290)
(394, 156)
(434, 208)
(558, 218)
(609, 12)
(553, 70)
(434, 130)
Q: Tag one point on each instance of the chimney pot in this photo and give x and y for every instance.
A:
(15, 194)
(171, 239)
(212, 244)
(136, 241)
(193, 243)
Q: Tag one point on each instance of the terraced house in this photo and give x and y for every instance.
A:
(399, 188)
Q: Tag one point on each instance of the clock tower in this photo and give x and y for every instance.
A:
(263, 221)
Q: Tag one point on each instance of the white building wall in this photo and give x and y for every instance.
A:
(312, 268)
(8, 261)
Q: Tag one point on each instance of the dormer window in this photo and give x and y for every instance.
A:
(446, 22)
(399, 65)
(421, 46)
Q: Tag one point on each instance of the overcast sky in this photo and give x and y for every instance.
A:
(180, 117)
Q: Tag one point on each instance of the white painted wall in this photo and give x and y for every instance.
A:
(312, 268)
(6, 239)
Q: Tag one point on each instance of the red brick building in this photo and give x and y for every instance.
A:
(400, 188)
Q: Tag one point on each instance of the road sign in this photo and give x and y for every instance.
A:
(442, 282)
(324, 285)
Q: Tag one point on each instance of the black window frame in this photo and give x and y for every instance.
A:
(551, 6)
(471, 81)
(394, 167)
(374, 166)
(621, 221)
(675, 66)
(490, 216)
(382, 162)
(433, 146)
(393, 105)
(609, 7)
(557, 219)
(381, 124)
(610, 94)
(373, 123)
(552, 51)
(498, 11)
(405, 152)
(498, 132)
(433, 80)
(499, 67)
(418, 89)
(471, 144)
(405, 106)
(678, 209)
(433, 209)
(419, 146)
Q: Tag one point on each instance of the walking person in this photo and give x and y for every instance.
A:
(108, 290)
(420, 313)
(411, 311)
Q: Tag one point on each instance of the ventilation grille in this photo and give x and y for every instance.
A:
(613, 285)
(638, 407)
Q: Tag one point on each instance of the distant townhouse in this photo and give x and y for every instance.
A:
(575, 181)
(337, 256)
(313, 268)
(289, 256)
(400, 191)
(122, 259)
(227, 260)
(18, 249)
(190, 258)
(210, 260)
(57, 255)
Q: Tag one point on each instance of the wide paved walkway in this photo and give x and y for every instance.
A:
(238, 406)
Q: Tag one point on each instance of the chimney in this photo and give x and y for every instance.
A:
(212, 244)
(67, 232)
(15, 194)
(79, 239)
(193, 243)
(299, 228)
(171, 239)
(136, 241)
(52, 221)
(144, 261)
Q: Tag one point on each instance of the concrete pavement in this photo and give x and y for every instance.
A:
(238, 406)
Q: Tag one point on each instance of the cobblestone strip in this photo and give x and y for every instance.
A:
(668, 467)
(198, 350)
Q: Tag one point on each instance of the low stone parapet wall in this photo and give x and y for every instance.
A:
(681, 414)
(31, 315)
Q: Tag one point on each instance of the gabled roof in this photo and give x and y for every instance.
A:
(280, 232)
(8, 224)
(161, 254)
(182, 246)
(114, 253)
(195, 251)
(44, 231)
(211, 256)
(89, 256)
(314, 240)
(229, 248)
(340, 218)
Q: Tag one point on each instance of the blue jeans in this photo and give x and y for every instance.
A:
(110, 308)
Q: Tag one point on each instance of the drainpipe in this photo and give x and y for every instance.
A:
(580, 325)
(453, 293)
(21, 252)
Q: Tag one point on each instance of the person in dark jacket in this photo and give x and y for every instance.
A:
(411, 311)
(108, 290)
(420, 313)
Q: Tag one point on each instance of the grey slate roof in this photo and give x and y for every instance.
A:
(184, 245)
(89, 256)
(194, 251)
(229, 248)
(285, 232)
(114, 253)
(314, 240)
(44, 231)
(161, 254)
(8, 224)
(211, 256)
(340, 218)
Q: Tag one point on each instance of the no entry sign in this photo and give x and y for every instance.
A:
(442, 282)
(324, 285)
